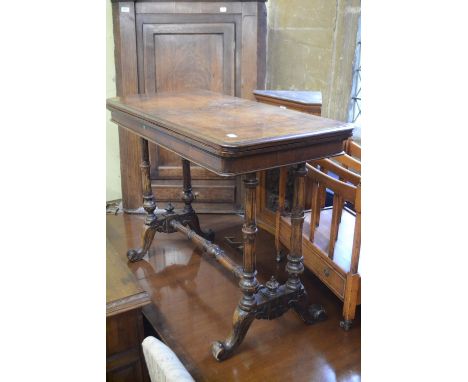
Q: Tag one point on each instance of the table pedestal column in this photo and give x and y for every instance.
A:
(295, 266)
(190, 217)
(149, 205)
(247, 307)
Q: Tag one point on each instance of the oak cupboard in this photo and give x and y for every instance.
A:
(182, 45)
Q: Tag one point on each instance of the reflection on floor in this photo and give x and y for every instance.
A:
(194, 299)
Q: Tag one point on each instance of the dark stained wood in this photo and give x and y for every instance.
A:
(149, 205)
(124, 326)
(295, 262)
(248, 308)
(164, 222)
(180, 45)
(229, 135)
(193, 298)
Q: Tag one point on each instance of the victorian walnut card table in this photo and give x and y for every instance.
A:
(231, 136)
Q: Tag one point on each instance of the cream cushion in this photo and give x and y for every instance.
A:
(163, 365)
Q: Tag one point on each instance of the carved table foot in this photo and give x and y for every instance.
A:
(272, 300)
(149, 204)
(134, 255)
(240, 325)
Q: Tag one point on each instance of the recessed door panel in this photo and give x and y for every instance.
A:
(186, 56)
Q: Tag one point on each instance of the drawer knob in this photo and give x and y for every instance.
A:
(326, 272)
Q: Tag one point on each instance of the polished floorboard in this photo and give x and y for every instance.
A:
(194, 299)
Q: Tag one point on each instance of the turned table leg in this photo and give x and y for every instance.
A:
(149, 205)
(246, 309)
(188, 197)
(295, 266)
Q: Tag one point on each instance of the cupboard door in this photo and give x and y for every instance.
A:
(189, 56)
(186, 56)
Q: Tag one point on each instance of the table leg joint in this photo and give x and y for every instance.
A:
(162, 222)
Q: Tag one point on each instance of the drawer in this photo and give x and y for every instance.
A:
(326, 272)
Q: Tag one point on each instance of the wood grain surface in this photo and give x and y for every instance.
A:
(228, 122)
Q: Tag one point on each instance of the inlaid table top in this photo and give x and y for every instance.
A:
(228, 135)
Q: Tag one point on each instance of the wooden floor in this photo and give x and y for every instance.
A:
(194, 299)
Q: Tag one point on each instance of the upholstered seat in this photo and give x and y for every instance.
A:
(163, 365)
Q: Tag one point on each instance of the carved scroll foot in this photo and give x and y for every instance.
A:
(240, 325)
(310, 314)
(346, 324)
(194, 224)
(134, 255)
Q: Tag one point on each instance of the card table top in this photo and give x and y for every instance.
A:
(228, 135)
